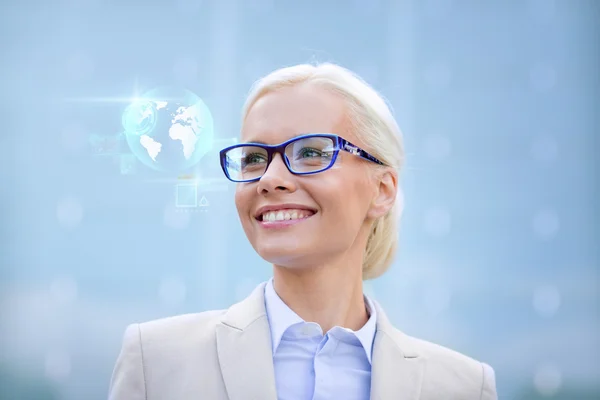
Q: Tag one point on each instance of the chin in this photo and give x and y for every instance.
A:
(281, 252)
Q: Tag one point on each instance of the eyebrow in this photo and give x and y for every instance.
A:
(267, 144)
(255, 142)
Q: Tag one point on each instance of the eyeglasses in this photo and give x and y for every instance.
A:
(303, 155)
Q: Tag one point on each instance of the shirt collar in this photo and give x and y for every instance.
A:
(281, 317)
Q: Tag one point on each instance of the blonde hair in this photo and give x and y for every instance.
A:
(371, 120)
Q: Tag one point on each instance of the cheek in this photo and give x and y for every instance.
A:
(344, 209)
(242, 198)
(353, 208)
(349, 193)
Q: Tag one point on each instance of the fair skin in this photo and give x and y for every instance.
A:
(317, 263)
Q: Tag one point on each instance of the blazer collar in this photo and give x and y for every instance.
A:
(245, 355)
(397, 371)
(244, 350)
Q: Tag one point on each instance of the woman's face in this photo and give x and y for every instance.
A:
(334, 208)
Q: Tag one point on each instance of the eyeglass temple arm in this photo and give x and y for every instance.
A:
(357, 151)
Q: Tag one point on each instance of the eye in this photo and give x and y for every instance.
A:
(308, 152)
(253, 158)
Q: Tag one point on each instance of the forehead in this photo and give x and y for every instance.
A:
(292, 111)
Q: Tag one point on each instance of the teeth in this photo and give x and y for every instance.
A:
(285, 215)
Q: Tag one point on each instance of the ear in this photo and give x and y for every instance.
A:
(385, 194)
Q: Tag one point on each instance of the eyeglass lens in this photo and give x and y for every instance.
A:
(303, 155)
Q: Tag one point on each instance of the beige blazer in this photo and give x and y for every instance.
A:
(226, 355)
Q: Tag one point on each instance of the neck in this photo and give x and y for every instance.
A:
(331, 295)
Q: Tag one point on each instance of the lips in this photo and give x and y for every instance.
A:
(285, 215)
(284, 212)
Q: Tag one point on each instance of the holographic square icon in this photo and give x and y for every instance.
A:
(186, 195)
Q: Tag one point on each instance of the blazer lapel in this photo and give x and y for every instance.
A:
(244, 350)
(397, 369)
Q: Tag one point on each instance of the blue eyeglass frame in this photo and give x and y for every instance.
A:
(341, 144)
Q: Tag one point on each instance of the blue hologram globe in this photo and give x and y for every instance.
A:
(169, 129)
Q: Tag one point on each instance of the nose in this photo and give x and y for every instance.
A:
(277, 178)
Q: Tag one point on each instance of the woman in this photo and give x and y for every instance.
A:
(317, 175)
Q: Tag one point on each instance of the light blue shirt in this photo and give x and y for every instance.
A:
(312, 366)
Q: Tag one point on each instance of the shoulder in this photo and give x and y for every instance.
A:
(183, 343)
(158, 357)
(174, 324)
(179, 330)
(172, 336)
(449, 373)
(445, 358)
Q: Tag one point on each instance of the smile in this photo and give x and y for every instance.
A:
(285, 215)
(278, 219)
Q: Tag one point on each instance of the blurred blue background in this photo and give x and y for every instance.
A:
(498, 101)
